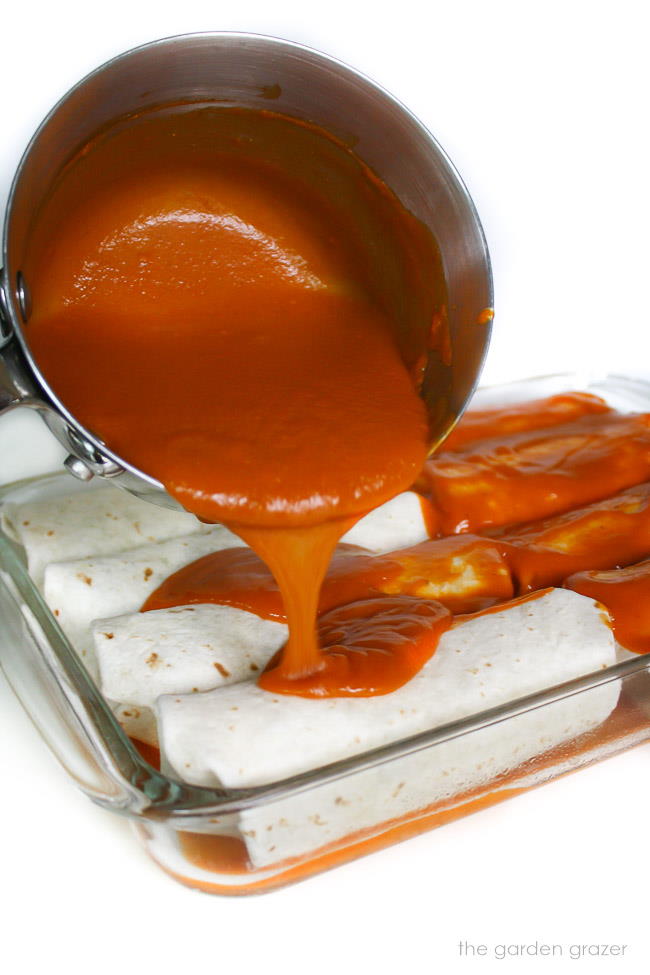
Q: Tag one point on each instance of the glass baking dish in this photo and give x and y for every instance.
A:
(197, 834)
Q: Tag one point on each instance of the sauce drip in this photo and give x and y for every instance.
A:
(249, 304)
(368, 648)
(625, 593)
(298, 560)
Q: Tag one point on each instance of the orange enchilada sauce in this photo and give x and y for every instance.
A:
(539, 414)
(235, 305)
(626, 595)
(532, 474)
(367, 647)
(219, 330)
(226, 325)
(465, 572)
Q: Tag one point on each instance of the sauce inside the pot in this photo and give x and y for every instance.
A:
(236, 305)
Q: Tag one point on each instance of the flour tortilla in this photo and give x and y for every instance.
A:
(137, 722)
(242, 736)
(84, 590)
(91, 522)
(170, 651)
(398, 523)
(84, 550)
(99, 521)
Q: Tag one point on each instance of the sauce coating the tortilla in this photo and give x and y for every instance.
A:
(367, 647)
(236, 305)
(626, 595)
(529, 474)
(534, 414)
(464, 573)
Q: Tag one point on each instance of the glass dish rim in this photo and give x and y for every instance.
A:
(152, 794)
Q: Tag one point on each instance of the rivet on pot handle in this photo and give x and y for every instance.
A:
(16, 388)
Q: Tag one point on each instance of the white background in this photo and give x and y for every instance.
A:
(544, 109)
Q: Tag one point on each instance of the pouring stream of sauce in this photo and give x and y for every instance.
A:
(223, 297)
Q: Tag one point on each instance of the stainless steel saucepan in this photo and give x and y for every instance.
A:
(239, 69)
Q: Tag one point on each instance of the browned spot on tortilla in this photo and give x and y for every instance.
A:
(222, 670)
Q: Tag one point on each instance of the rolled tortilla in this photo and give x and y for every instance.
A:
(405, 520)
(181, 650)
(84, 590)
(626, 595)
(137, 722)
(464, 572)
(537, 414)
(242, 736)
(604, 535)
(91, 522)
(434, 779)
(530, 475)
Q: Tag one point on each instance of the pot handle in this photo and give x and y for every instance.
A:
(16, 387)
